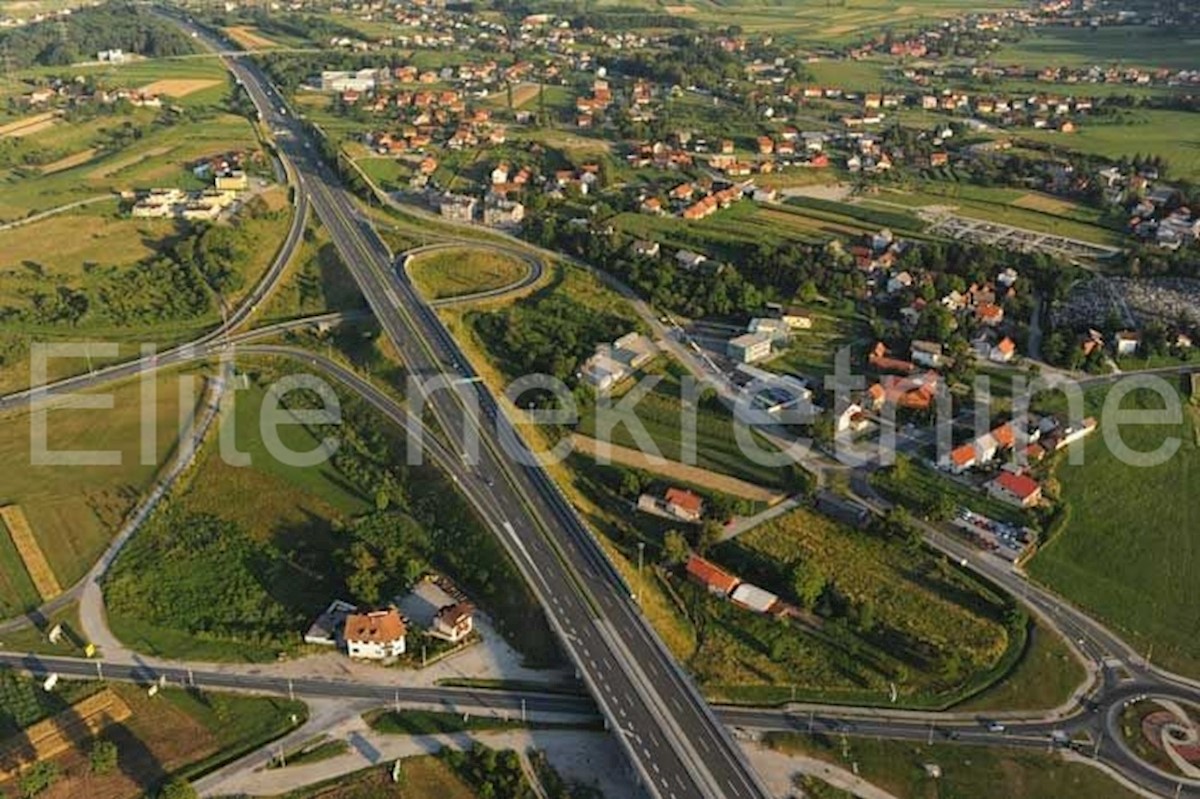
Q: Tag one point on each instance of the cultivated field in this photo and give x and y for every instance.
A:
(179, 87)
(1126, 551)
(23, 539)
(453, 273)
(1173, 135)
(249, 37)
(48, 739)
(27, 126)
(423, 777)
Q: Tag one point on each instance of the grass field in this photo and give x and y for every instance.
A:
(1045, 677)
(1127, 551)
(174, 733)
(90, 235)
(1127, 45)
(316, 281)
(967, 771)
(452, 273)
(812, 353)
(1173, 135)
(74, 510)
(22, 536)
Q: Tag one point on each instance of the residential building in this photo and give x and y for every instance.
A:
(458, 207)
(502, 213)
(328, 627)
(750, 347)
(751, 597)
(376, 635)
(684, 504)
(646, 249)
(1127, 342)
(453, 622)
(689, 260)
(927, 353)
(1004, 351)
(711, 576)
(1016, 489)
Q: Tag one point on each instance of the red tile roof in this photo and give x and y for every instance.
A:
(1019, 485)
(685, 500)
(709, 574)
(377, 627)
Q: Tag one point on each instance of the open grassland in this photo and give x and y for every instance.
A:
(189, 82)
(816, 23)
(453, 273)
(1173, 135)
(316, 281)
(92, 235)
(1126, 45)
(175, 733)
(1127, 552)
(978, 772)
(75, 510)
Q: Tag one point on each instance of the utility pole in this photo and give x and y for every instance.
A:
(1100, 740)
(291, 690)
(99, 670)
(930, 741)
(522, 710)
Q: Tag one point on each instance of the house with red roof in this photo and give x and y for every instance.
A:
(684, 504)
(1016, 489)
(711, 576)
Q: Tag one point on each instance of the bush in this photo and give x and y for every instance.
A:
(103, 757)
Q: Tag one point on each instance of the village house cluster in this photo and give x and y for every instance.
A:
(229, 180)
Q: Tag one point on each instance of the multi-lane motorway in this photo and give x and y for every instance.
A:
(675, 743)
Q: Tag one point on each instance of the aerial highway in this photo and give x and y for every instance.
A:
(676, 744)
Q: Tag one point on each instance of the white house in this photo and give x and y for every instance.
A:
(689, 260)
(927, 353)
(376, 635)
(1127, 342)
(453, 622)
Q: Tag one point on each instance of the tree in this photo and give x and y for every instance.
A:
(38, 779)
(808, 581)
(675, 548)
(103, 757)
(366, 579)
(710, 534)
(177, 788)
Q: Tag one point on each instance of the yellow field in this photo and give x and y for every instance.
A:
(31, 554)
(67, 730)
(29, 125)
(1047, 205)
(179, 87)
(678, 10)
(249, 38)
(73, 160)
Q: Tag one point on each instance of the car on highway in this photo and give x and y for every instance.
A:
(995, 726)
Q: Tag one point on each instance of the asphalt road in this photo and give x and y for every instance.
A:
(674, 741)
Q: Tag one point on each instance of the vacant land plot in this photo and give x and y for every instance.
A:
(23, 539)
(1046, 204)
(179, 87)
(812, 353)
(27, 126)
(75, 510)
(69, 162)
(249, 37)
(1127, 550)
(674, 470)
(978, 772)
(453, 273)
(423, 777)
(95, 235)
